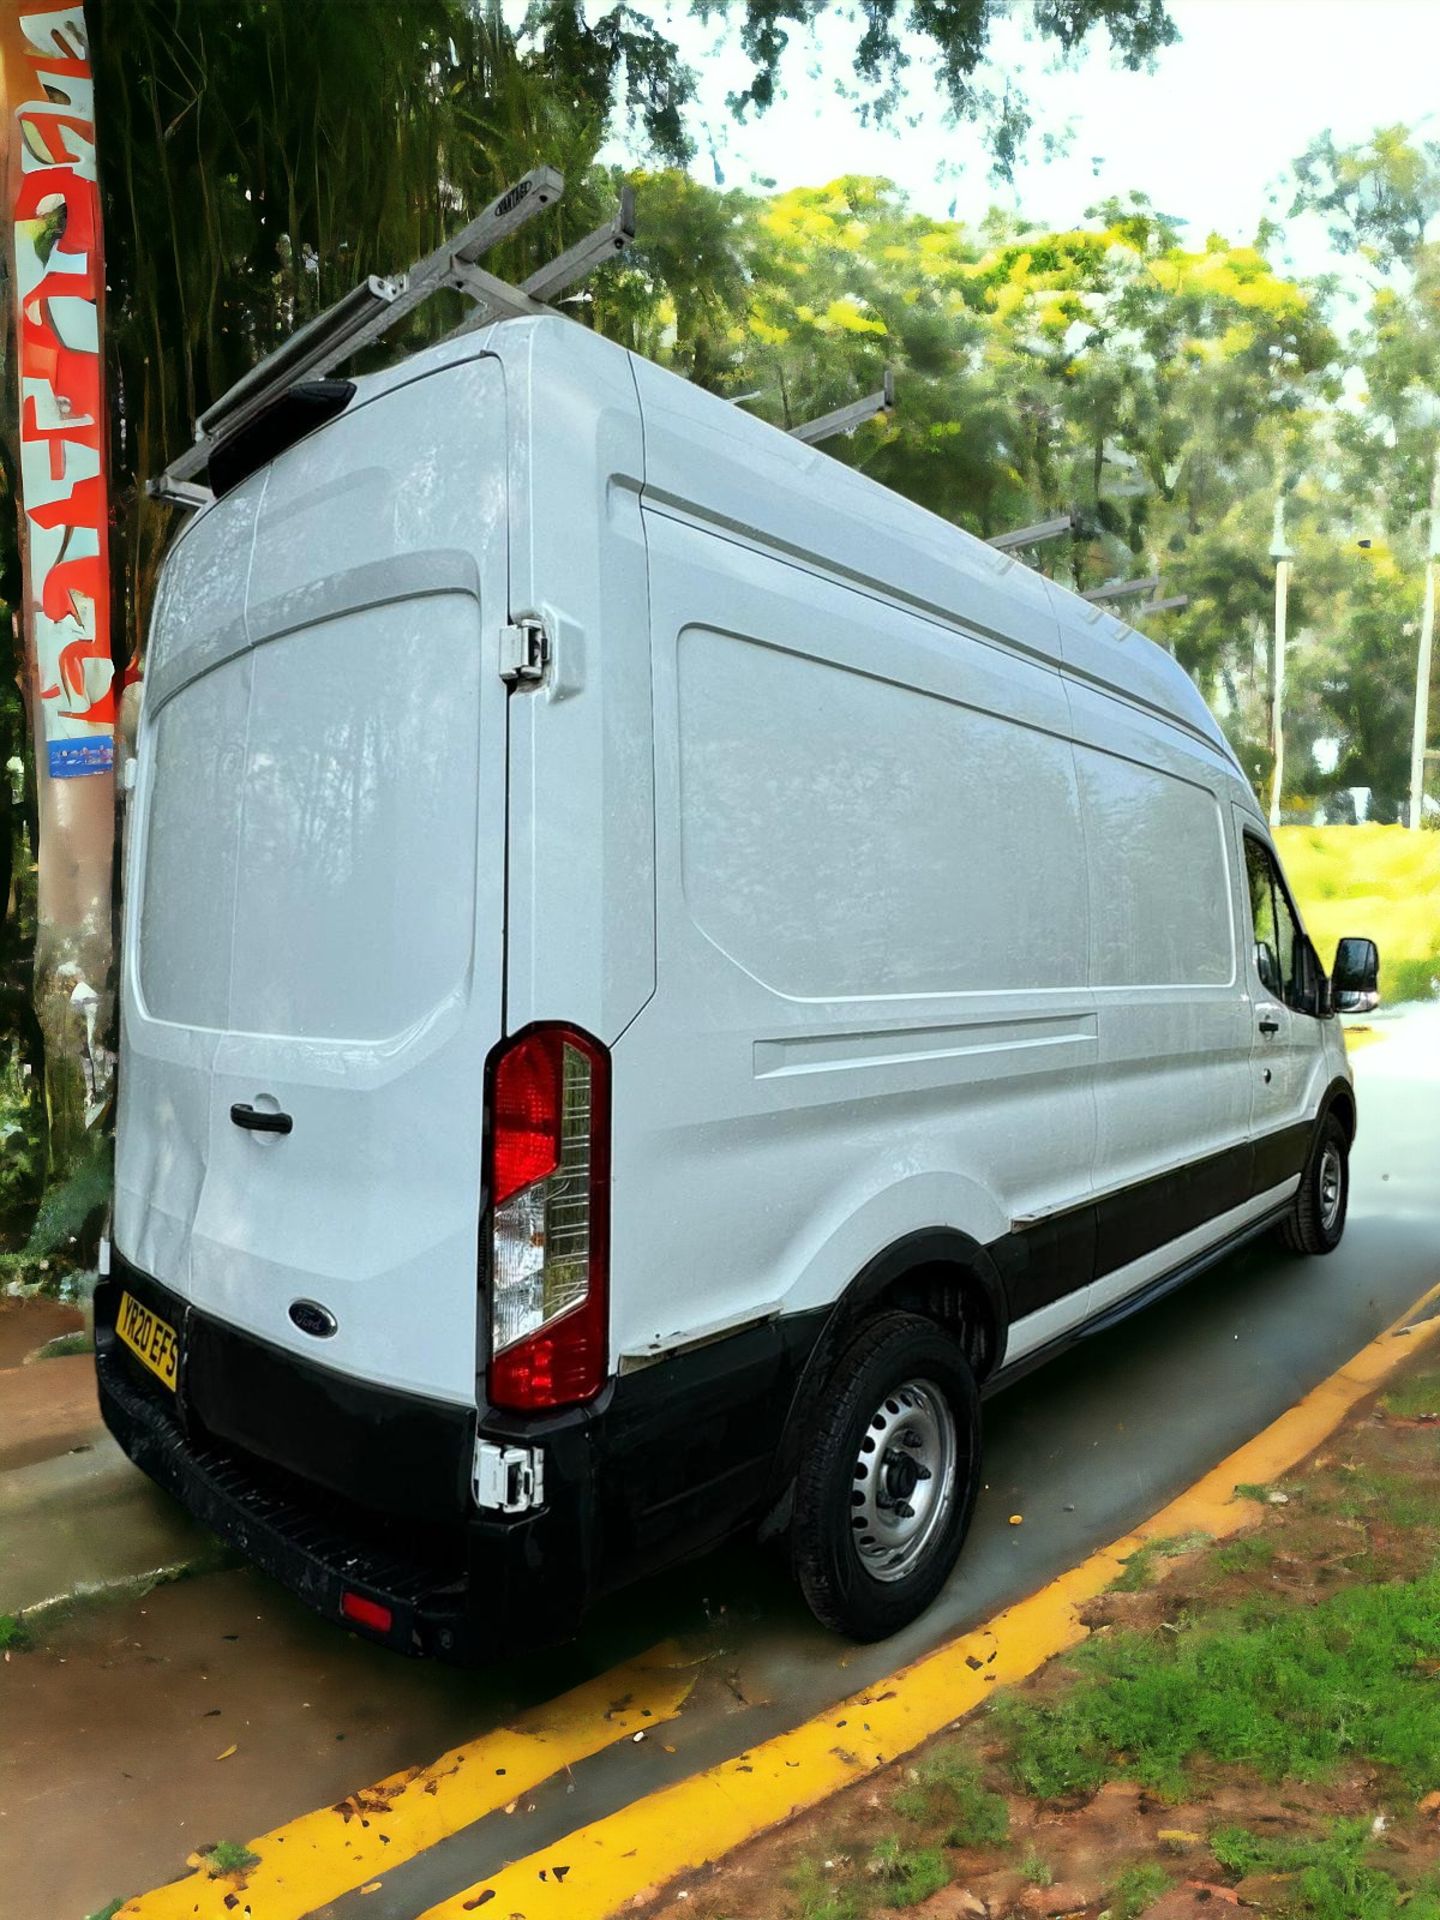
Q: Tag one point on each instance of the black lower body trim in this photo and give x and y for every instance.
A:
(1065, 1251)
(1146, 1296)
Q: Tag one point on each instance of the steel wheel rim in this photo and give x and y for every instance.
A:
(904, 1479)
(1332, 1187)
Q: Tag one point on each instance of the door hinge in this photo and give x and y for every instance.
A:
(508, 1479)
(524, 650)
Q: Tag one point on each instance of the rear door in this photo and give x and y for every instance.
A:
(315, 923)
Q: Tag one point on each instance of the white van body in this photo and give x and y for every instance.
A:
(901, 894)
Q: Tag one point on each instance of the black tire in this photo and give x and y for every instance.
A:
(1317, 1221)
(870, 1592)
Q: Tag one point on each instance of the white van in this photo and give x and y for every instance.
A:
(657, 974)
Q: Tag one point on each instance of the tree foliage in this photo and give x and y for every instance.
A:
(258, 159)
(952, 35)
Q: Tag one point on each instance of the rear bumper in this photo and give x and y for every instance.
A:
(332, 1485)
(459, 1585)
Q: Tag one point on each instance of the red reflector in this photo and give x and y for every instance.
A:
(559, 1368)
(366, 1613)
(526, 1116)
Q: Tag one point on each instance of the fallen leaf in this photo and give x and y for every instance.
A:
(485, 1893)
(1227, 1894)
(227, 1753)
(1431, 1803)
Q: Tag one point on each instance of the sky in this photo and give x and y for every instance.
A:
(1208, 135)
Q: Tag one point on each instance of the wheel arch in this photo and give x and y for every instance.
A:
(938, 1272)
(1339, 1099)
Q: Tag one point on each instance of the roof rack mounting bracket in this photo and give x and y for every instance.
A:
(845, 419)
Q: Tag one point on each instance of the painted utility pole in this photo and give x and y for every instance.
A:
(1422, 665)
(1281, 554)
(56, 422)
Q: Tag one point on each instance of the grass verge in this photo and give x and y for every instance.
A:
(1250, 1726)
(1383, 882)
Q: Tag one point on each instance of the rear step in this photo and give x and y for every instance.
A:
(257, 1512)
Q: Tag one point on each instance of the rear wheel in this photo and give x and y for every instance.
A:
(1318, 1218)
(887, 1478)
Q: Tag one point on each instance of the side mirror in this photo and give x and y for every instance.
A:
(1355, 977)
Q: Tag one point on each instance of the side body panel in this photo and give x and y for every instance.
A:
(1172, 1083)
(871, 1016)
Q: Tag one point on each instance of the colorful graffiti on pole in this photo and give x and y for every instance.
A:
(59, 281)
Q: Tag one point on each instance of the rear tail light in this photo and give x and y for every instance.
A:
(549, 1217)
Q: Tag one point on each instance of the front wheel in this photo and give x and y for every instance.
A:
(1318, 1218)
(887, 1478)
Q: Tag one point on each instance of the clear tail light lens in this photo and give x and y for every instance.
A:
(549, 1198)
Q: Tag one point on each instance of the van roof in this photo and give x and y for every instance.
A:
(706, 458)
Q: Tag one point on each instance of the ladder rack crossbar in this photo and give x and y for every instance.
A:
(561, 273)
(497, 299)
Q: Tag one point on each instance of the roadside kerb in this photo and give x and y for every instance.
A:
(322, 1855)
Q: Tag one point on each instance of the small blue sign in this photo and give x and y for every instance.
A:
(70, 759)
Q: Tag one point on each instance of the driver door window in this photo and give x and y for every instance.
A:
(1281, 952)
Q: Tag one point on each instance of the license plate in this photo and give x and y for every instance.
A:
(153, 1341)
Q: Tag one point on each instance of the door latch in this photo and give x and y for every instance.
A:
(524, 651)
(508, 1479)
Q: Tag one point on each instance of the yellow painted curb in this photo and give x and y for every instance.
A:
(621, 1860)
(321, 1855)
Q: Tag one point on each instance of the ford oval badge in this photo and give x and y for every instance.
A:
(310, 1317)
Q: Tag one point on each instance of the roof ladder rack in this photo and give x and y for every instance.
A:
(1121, 590)
(843, 419)
(369, 311)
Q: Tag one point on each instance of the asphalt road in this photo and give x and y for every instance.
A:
(1083, 1449)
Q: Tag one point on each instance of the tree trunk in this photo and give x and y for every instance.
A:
(56, 419)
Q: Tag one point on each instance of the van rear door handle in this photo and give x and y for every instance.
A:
(254, 1121)
(1267, 1025)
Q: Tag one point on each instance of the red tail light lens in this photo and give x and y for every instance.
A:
(549, 1220)
(526, 1122)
